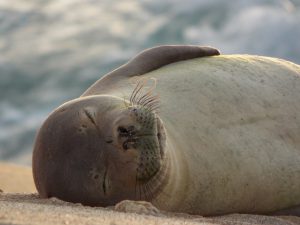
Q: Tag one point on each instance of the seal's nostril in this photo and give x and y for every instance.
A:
(122, 130)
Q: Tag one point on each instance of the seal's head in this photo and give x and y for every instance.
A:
(98, 151)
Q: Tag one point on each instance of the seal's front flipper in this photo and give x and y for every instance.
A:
(149, 60)
(154, 58)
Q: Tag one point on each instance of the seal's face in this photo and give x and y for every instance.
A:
(97, 151)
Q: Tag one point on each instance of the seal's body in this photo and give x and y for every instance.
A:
(226, 139)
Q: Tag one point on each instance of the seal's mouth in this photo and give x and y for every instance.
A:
(140, 133)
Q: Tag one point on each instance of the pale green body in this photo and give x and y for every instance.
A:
(233, 133)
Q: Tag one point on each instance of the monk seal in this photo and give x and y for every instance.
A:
(203, 135)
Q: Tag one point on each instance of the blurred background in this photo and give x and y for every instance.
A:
(52, 51)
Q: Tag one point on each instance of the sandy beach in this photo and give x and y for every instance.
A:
(16, 179)
(19, 204)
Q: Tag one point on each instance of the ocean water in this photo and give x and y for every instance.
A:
(51, 51)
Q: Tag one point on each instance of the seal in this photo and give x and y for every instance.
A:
(202, 135)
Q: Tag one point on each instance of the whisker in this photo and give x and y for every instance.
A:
(148, 99)
(139, 86)
(150, 103)
(150, 91)
(140, 93)
(144, 98)
(130, 99)
(153, 102)
(136, 89)
(153, 107)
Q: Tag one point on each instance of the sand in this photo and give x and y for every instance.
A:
(26, 208)
(15, 178)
